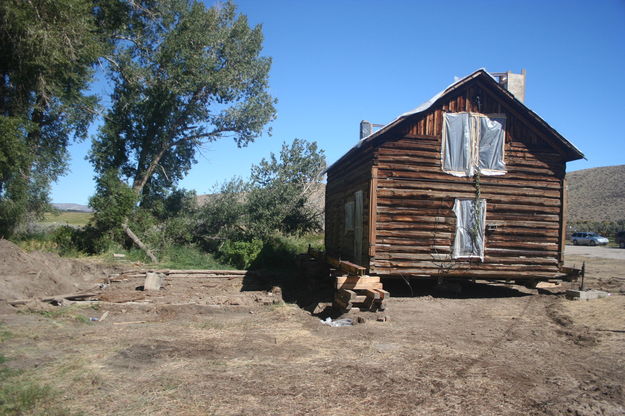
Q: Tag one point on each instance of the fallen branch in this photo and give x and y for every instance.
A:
(73, 296)
(138, 242)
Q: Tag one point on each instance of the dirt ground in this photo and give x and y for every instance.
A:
(216, 346)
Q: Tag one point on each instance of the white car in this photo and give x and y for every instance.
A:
(588, 239)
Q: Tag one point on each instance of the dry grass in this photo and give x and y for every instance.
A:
(500, 351)
(597, 194)
(66, 217)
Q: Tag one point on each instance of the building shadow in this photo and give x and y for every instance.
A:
(451, 289)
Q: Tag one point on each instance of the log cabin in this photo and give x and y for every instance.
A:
(470, 184)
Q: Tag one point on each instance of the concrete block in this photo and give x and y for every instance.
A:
(586, 294)
(152, 281)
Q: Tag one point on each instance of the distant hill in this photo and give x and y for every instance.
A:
(72, 207)
(597, 194)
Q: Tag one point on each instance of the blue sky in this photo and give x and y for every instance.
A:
(338, 62)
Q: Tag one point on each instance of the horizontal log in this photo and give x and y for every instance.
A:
(422, 219)
(72, 296)
(432, 161)
(208, 276)
(420, 194)
(510, 276)
(191, 271)
(407, 248)
(414, 234)
(521, 208)
(532, 182)
(412, 241)
(513, 173)
(416, 226)
(436, 257)
(467, 187)
(500, 251)
(457, 265)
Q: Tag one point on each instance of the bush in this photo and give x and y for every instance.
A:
(65, 238)
(240, 254)
(276, 251)
(188, 257)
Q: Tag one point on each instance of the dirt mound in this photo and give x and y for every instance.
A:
(597, 194)
(35, 274)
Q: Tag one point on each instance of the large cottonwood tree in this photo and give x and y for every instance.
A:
(48, 49)
(183, 75)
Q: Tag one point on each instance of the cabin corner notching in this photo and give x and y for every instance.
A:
(470, 184)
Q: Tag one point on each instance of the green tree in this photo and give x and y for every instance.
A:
(183, 75)
(284, 195)
(285, 190)
(48, 49)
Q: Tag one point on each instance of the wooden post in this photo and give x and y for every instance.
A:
(564, 212)
(373, 208)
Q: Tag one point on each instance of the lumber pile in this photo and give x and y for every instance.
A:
(355, 290)
(362, 292)
(225, 274)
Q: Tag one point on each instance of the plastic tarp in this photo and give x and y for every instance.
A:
(457, 144)
(470, 224)
(492, 139)
(472, 141)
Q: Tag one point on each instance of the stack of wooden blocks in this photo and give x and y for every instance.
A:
(362, 292)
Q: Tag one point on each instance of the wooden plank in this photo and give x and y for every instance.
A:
(358, 226)
(346, 266)
(563, 219)
(373, 204)
(383, 293)
(374, 294)
(362, 286)
(341, 280)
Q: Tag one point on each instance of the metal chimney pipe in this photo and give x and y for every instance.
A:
(366, 129)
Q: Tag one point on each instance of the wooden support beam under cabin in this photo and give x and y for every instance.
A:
(346, 266)
(358, 282)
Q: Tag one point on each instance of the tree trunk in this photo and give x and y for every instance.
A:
(138, 242)
(139, 183)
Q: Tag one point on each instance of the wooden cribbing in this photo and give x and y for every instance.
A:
(358, 282)
(346, 266)
(364, 293)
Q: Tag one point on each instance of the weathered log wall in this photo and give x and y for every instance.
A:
(344, 180)
(415, 224)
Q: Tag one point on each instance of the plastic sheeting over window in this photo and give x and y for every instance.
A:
(470, 220)
(457, 152)
(492, 139)
(471, 142)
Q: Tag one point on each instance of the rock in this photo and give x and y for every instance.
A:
(153, 281)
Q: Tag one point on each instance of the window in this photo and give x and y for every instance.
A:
(349, 216)
(470, 220)
(472, 142)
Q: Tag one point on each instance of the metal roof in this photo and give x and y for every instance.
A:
(482, 72)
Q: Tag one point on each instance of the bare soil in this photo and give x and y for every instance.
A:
(216, 346)
(38, 274)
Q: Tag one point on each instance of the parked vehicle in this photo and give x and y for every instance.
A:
(620, 239)
(588, 239)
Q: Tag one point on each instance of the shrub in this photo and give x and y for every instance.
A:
(240, 254)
